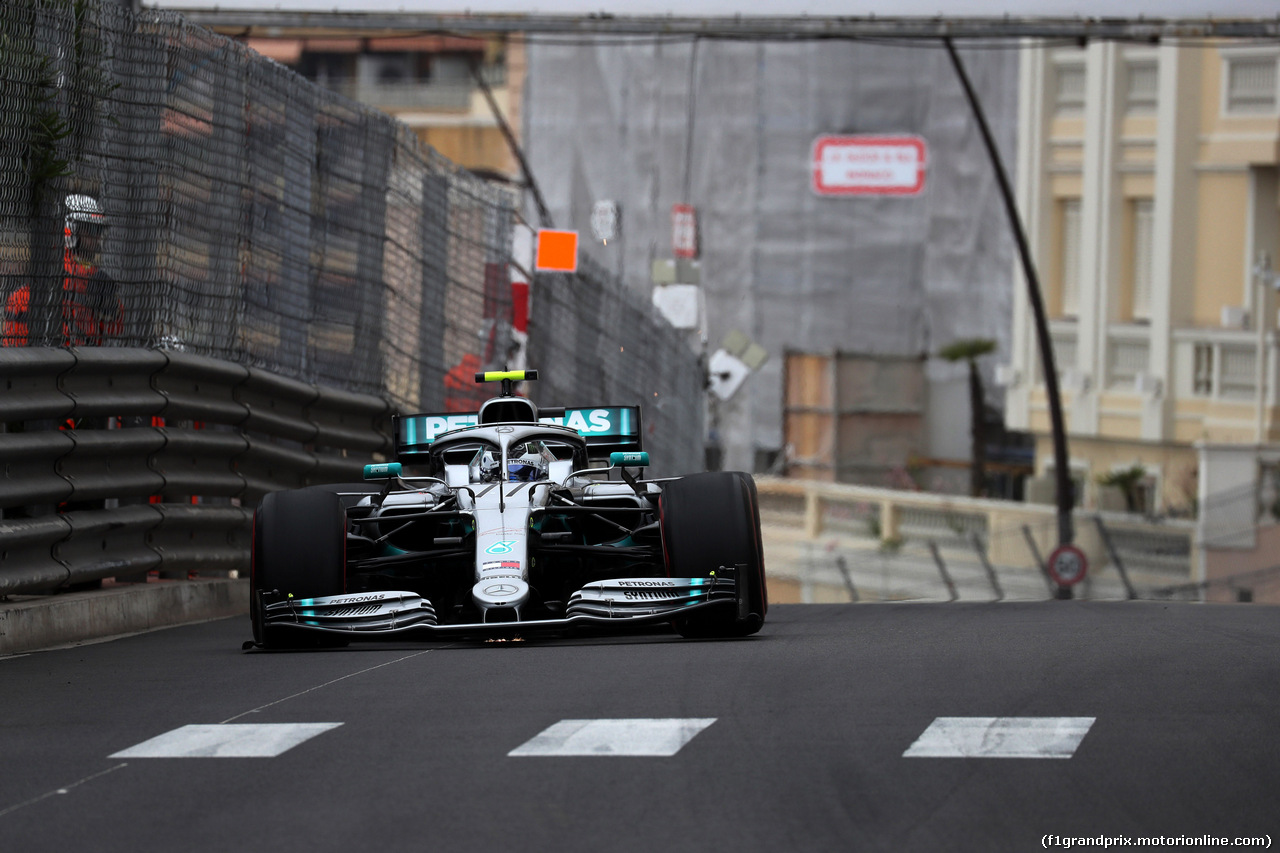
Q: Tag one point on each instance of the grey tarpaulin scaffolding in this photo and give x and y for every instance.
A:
(595, 342)
(728, 127)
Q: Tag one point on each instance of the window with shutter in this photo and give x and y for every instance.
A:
(1069, 273)
(1143, 210)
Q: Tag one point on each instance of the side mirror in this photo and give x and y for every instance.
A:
(382, 471)
(559, 471)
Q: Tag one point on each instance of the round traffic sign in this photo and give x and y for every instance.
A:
(1067, 565)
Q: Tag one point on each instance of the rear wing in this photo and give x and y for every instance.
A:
(607, 429)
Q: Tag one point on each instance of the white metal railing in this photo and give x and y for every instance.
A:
(1221, 364)
(1128, 354)
(824, 509)
(1062, 335)
(417, 94)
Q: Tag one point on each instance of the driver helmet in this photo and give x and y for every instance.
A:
(84, 216)
(526, 467)
(522, 472)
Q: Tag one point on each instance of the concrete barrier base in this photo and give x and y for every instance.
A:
(32, 623)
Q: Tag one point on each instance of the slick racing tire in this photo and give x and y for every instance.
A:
(299, 549)
(708, 521)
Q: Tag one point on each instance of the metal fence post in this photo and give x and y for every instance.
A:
(848, 579)
(1035, 553)
(942, 570)
(1115, 557)
(986, 565)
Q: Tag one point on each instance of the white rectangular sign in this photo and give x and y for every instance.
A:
(869, 165)
(684, 231)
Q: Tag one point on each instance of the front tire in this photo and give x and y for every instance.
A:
(299, 549)
(708, 521)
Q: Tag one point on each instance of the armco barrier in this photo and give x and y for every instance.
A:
(76, 496)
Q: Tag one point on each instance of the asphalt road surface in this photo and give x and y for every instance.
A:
(980, 727)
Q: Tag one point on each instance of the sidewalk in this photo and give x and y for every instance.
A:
(34, 622)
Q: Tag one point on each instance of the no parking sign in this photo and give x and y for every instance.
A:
(1067, 565)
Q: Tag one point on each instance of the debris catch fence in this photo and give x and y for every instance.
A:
(292, 264)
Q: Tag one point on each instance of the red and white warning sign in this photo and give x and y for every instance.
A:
(1067, 565)
(869, 165)
(684, 231)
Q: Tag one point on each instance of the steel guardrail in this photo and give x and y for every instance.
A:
(93, 437)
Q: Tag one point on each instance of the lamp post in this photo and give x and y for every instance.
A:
(1063, 489)
(1267, 282)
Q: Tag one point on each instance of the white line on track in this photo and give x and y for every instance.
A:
(65, 789)
(326, 684)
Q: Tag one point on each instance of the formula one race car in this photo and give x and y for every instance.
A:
(509, 521)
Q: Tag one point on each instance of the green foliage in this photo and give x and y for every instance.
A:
(58, 101)
(1127, 481)
(1124, 478)
(48, 128)
(967, 349)
(891, 546)
(32, 73)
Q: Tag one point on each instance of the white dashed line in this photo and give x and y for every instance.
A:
(239, 740)
(1001, 737)
(642, 737)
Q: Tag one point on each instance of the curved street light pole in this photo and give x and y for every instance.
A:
(1062, 475)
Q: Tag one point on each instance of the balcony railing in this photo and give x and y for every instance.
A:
(453, 95)
(1128, 356)
(407, 94)
(1217, 364)
(1221, 364)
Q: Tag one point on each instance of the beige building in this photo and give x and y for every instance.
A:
(1148, 185)
(425, 81)
(1147, 179)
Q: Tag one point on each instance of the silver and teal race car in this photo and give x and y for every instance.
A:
(509, 521)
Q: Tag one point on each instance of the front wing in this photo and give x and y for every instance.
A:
(618, 602)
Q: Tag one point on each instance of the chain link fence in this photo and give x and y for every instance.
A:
(245, 213)
(595, 341)
(163, 186)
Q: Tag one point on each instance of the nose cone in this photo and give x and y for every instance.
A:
(500, 592)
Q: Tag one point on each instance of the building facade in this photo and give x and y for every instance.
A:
(1147, 180)
(424, 81)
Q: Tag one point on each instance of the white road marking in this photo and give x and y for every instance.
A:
(326, 684)
(240, 740)
(66, 789)
(653, 737)
(1001, 737)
